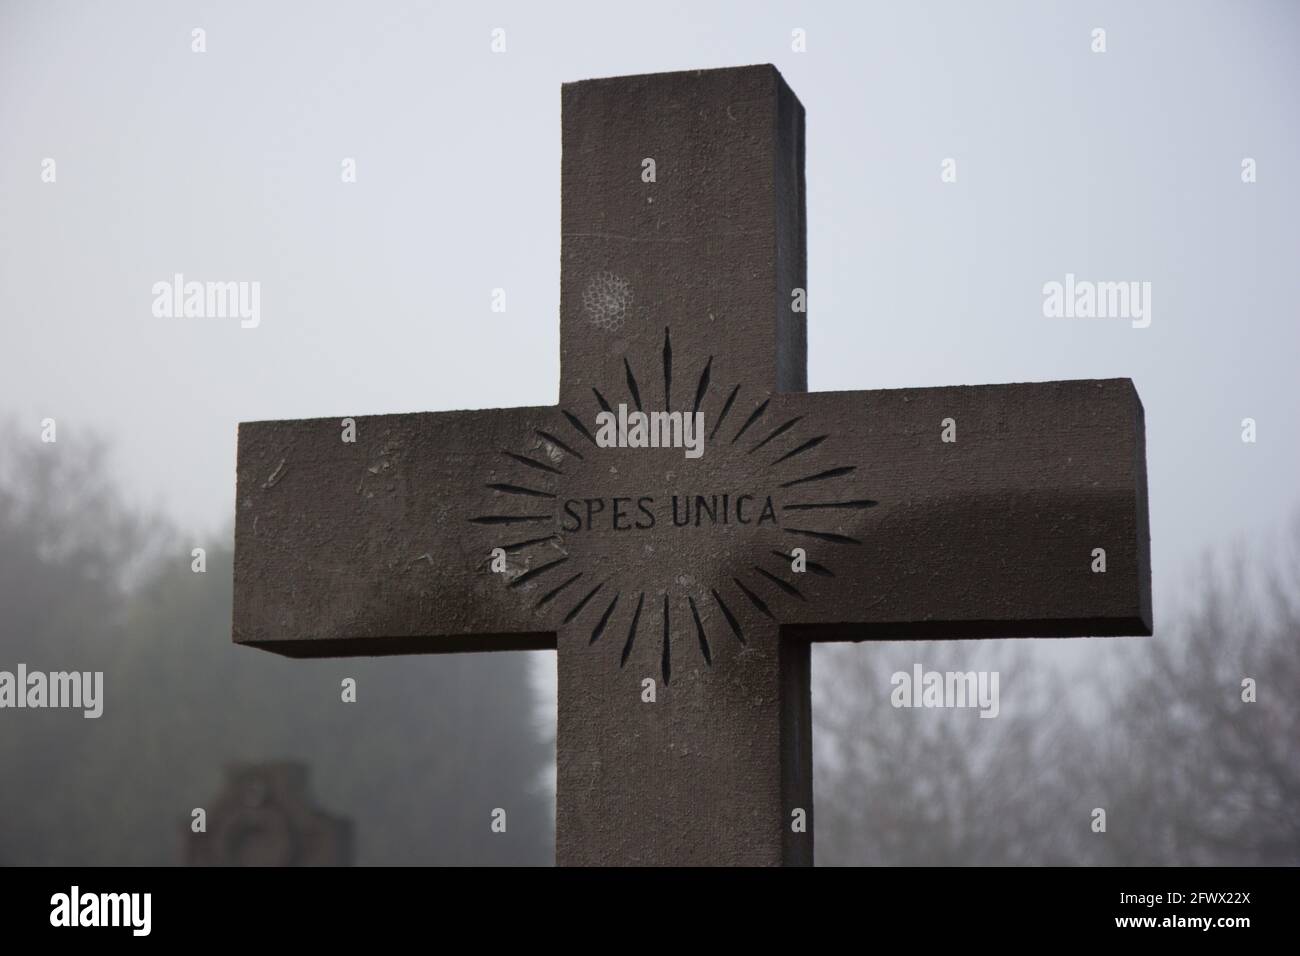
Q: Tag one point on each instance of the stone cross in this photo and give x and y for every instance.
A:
(682, 594)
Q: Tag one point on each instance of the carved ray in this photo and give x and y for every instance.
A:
(549, 595)
(703, 387)
(536, 572)
(785, 586)
(753, 417)
(668, 371)
(726, 407)
(699, 632)
(666, 662)
(599, 629)
(731, 618)
(821, 476)
(577, 608)
(508, 519)
(577, 424)
(824, 536)
(806, 446)
(777, 432)
(631, 384)
(532, 463)
(520, 545)
(520, 490)
(631, 631)
(753, 598)
(813, 506)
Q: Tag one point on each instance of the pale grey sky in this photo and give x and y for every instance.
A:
(375, 295)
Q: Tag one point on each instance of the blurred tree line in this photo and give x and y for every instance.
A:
(1154, 731)
(432, 745)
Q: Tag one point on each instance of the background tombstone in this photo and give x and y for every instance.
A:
(266, 817)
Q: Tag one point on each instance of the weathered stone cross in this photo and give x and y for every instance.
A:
(642, 565)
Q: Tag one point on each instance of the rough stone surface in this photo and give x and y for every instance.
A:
(645, 565)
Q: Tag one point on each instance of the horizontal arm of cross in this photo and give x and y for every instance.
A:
(367, 547)
(969, 512)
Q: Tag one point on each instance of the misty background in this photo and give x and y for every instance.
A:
(376, 298)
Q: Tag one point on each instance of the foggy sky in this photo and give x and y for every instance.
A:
(375, 295)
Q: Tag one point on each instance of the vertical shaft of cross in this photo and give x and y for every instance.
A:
(683, 248)
(682, 209)
(717, 770)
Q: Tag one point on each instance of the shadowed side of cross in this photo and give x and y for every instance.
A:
(671, 585)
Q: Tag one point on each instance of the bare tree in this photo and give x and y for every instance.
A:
(418, 764)
(1187, 770)
(1200, 773)
(932, 787)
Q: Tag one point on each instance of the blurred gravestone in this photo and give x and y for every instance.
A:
(266, 817)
